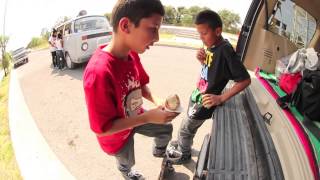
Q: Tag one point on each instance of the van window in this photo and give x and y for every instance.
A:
(90, 23)
(293, 22)
(67, 29)
(60, 29)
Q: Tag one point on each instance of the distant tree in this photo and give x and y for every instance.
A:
(108, 16)
(187, 16)
(3, 45)
(45, 34)
(186, 20)
(6, 59)
(180, 12)
(36, 42)
(194, 10)
(231, 21)
(170, 15)
(61, 20)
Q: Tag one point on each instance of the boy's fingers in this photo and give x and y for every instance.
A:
(172, 115)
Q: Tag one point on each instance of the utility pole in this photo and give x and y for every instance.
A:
(3, 44)
(4, 17)
(4, 41)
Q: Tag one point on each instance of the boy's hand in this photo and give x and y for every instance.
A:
(201, 55)
(159, 116)
(209, 100)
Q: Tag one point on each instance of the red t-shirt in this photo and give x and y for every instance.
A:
(113, 90)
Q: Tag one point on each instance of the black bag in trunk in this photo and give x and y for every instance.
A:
(307, 96)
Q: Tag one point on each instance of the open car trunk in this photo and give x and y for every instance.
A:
(252, 136)
(274, 29)
(240, 146)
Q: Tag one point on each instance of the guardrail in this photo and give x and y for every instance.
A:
(180, 31)
(189, 32)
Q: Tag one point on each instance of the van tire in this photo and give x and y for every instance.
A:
(70, 64)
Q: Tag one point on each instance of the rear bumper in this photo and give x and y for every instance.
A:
(83, 59)
(21, 60)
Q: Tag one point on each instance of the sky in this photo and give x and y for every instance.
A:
(25, 19)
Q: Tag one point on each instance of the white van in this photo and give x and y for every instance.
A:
(82, 35)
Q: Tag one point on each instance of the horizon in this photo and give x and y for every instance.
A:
(40, 15)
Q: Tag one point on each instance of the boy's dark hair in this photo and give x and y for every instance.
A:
(209, 17)
(59, 36)
(135, 10)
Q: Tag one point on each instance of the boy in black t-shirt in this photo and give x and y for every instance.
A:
(220, 64)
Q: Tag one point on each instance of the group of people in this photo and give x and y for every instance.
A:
(115, 82)
(56, 49)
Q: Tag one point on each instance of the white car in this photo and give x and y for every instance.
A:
(82, 35)
(20, 56)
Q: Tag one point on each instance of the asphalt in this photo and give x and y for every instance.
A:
(34, 156)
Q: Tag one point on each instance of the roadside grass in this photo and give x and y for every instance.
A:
(37, 43)
(167, 36)
(8, 165)
(44, 45)
(172, 40)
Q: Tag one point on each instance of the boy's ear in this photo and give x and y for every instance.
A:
(124, 24)
(218, 31)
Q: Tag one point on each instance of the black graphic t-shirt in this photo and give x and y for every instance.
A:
(221, 65)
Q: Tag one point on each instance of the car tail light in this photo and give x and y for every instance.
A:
(84, 46)
(84, 38)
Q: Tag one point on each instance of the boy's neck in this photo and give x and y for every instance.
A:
(218, 41)
(117, 49)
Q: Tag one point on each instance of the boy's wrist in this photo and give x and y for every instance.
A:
(223, 98)
(144, 118)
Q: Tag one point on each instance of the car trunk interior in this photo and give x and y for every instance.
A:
(270, 39)
(266, 47)
(252, 136)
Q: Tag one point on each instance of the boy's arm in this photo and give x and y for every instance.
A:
(155, 116)
(50, 41)
(201, 55)
(209, 100)
(237, 72)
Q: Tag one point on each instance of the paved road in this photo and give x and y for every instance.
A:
(56, 101)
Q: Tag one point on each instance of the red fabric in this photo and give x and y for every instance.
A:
(288, 82)
(107, 83)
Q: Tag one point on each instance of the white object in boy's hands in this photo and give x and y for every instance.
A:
(172, 104)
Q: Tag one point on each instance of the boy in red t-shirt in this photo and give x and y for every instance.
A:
(115, 82)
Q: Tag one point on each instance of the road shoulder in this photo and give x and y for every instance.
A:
(35, 159)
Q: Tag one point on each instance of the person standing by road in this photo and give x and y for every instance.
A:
(52, 43)
(115, 82)
(60, 53)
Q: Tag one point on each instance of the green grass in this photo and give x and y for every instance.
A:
(167, 35)
(8, 165)
(44, 45)
(169, 39)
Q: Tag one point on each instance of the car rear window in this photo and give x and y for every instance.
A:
(293, 22)
(91, 23)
